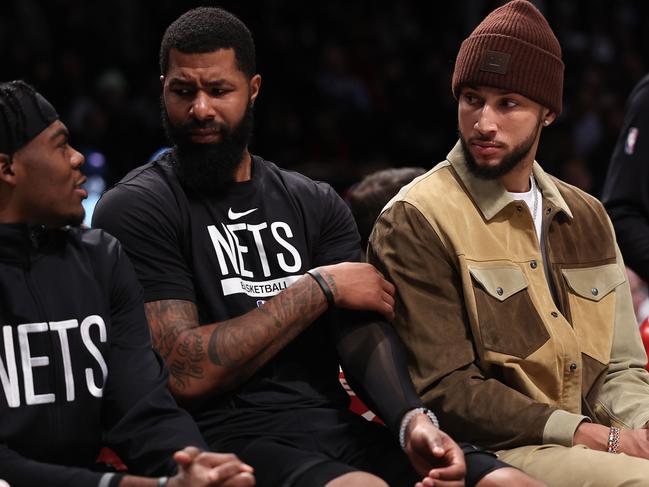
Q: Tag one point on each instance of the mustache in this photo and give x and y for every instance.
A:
(194, 124)
(481, 138)
(485, 138)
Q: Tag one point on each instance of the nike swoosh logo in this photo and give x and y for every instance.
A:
(233, 215)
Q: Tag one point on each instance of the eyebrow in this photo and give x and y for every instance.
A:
(184, 81)
(62, 131)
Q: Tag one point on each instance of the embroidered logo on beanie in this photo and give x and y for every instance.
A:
(495, 62)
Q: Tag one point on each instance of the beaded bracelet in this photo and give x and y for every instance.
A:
(408, 417)
(613, 439)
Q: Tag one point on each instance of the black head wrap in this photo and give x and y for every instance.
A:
(24, 113)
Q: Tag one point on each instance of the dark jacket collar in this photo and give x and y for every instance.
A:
(19, 242)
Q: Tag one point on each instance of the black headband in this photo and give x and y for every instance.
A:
(24, 114)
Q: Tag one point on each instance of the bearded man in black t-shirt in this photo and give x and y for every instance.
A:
(253, 296)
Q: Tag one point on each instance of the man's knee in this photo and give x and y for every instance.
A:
(507, 477)
(357, 479)
(568, 466)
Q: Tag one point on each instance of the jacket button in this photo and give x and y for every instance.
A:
(554, 314)
(595, 291)
(573, 367)
(499, 291)
(533, 264)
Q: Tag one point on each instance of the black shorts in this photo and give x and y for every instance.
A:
(314, 446)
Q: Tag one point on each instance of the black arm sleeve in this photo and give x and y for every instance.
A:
(626, 190)
(144, 425)
(19, 471)
(369, 350)
(373, 359)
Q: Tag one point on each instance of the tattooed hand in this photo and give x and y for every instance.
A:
(360, 286)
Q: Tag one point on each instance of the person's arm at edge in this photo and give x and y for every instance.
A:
(625, 194)
(19, 471)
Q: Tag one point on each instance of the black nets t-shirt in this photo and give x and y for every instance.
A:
(230, 252)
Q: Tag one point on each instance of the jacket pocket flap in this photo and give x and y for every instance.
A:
(500, 282)
(594, 282)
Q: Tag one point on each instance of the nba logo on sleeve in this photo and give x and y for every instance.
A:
(631, 139)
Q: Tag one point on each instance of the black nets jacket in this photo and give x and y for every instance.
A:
(77, 370)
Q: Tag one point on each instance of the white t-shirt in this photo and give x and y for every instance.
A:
(528, 198)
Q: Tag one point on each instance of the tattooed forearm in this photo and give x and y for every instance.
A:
(187, 361)
(212, 348)
(170, 322)
(271, 317)
(237, 347)
(331, 282)
(233, 343)
(167, 320)
(275, 323)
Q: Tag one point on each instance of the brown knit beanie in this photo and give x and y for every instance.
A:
(514, 49)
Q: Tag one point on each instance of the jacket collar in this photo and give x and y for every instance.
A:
(19, 242)
(491, 196)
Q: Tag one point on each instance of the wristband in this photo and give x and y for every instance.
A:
(613, 439)
(162, 481)
(323, 285)
(408, 417)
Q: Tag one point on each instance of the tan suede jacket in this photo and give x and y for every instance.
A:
(503, 357)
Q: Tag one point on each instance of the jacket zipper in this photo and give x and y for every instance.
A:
(42, 315)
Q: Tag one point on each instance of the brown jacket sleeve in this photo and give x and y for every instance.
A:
(432, 322)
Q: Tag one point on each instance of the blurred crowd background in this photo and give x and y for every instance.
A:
(349, 87)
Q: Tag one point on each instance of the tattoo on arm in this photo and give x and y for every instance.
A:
(331, 283)
(275, 324)
(183, 352)
(241, 345)
(212, 346)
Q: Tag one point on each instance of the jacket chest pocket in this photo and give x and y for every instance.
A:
(591, 298)
(507, 319)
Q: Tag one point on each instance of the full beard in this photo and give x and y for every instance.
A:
(209, 169)
(509, 162)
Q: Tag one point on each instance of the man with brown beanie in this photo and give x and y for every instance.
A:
(511, 293)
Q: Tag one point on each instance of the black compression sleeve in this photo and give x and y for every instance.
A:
(373, 359)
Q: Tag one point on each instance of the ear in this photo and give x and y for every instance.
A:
(7, 174)
(548, 117)
(255, 84)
